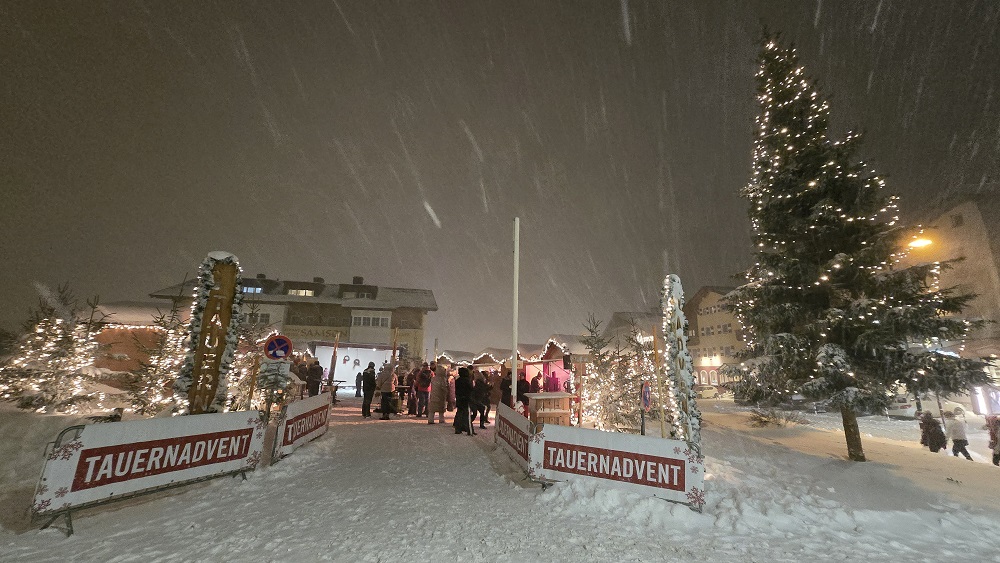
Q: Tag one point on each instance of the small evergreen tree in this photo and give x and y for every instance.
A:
(149, 388)
(246, 391)
(46, 371)
(611, 382)
(827, 309)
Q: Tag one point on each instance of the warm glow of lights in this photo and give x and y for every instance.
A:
(920, 243)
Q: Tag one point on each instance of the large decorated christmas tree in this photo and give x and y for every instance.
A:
(828, 309)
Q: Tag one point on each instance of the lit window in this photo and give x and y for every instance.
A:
(251, 290)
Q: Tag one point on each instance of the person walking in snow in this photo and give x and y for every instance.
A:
(463, 400)
(993, 426)
(955, 430)
(386, 385)
(439, 393)
(357, 385)
(368, 384)
(931, 434)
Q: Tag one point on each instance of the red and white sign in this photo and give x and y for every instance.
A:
(663, 468)
(513, 433)
(302, 422)
(114, 459)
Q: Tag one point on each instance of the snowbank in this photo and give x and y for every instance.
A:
(373, 490)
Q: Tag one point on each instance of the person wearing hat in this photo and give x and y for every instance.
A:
(368, 385)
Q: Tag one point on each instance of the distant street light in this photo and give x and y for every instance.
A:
(920, 243)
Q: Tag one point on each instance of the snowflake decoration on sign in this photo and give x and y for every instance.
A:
(677, 450)
(258, 424)
(538, 465)
(42, 489)
(253, 460)
(538, 438)
(694, 468)
(66, 450)
(696, 497)
(695, 458)
(42, 505)
(61, 492)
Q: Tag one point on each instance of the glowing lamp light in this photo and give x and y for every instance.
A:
(920, 243)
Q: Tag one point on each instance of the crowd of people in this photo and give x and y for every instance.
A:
(431, 390)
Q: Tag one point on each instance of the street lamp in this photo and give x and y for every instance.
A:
(920, 243)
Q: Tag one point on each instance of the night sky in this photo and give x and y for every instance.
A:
(398, 140)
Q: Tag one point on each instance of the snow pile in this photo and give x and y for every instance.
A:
(373, 490)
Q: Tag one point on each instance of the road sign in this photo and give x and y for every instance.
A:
(646, 396)
(278, 347)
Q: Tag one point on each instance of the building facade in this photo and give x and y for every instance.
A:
(317, 313)
(713, 334)
(969, 229)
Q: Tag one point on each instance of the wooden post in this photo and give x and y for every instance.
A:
(212, 339)
(659, 386)
(333, 359)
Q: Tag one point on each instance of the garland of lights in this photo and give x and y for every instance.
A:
(206, 281)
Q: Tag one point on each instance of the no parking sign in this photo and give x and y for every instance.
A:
(278, 347)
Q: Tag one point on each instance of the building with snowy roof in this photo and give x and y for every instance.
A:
(314, 313)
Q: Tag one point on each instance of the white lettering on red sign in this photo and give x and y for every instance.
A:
(614, 465)
(513, 436)
(124, 462)
(305, 423)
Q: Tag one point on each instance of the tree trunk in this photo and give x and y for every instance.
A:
(855, 451)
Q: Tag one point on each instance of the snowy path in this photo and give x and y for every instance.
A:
(403, 490)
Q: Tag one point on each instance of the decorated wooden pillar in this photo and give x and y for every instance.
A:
(214, 324)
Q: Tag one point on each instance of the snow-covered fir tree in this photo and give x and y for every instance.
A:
(612, 381)
(246, 392)
(827, 308)
(677, 365)
(149, 387)
(46, 371)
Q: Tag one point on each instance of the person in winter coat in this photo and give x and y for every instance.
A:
(423, 389)
(536, 384)
(411, 391)
(357, 385)
(956, 432)
(993, 426)
(522, 387)
(439, 393)
(368, 384)
(481, 399)
(931, 434)
(386, 385)
(314, 377)
(505, 394)
(451, 393)
(463, 400)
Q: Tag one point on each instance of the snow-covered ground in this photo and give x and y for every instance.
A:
(372, 490)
